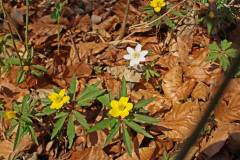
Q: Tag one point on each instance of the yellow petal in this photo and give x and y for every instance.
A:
(163, 4)
(65, 99)
(129, 106)
(114, 104)
(114, 113)
(123, 101)
(9, 115)
(157, 9)
(153, 4)
(124, 113)
(53, 96)
(62, 92)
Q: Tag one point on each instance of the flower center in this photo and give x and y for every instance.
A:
(121, 107)
(136, 55)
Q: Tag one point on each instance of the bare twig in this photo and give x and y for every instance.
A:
(123, 28)
(26, 27)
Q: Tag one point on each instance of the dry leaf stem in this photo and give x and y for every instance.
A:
(26, 27)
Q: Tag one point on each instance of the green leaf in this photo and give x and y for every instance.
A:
(169, 22)
(26, 104)
(214, 47)
(26, 119)
(177, 13)
(46, 112)
(73, 86)
(33, 135)
(20, 76)
(231, 52)
(40, 68)
(61, 114)
(46, 101)
(19, 135)
(70, 131)
(81, 119)
(137, 128)
(89, 94)
(210, 25)
(58, 126)
(102, 125)
(105, 100)
(142, 103)
(127, 141)
(145, 119)
(224, 62)
(212, 56)
(112, 133)
(36, 73)
(123, 92)
(225, 44)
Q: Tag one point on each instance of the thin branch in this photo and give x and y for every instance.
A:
(123, 28)
(212, 105)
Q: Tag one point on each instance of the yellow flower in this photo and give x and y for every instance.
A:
(58, 99)
(120, 108)
(157, 5)
(9, 115)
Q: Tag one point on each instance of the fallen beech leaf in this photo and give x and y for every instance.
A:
(84, 23)
(201, 91)
(90, 154)
(129, 74)
(113, 86)
(107, 24)
(228, 112)
(6, 149)
(181, 120)
(144, 153)
(213, 144)
(172, 81)
(185, 90)
(91, 48)
(168, 61)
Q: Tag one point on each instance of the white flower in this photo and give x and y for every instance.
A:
(135, 55)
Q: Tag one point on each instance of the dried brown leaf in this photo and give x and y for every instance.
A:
(185, 90)
(201, 91)
(181, 120)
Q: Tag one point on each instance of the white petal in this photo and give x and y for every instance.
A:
(134, 62)
(143, 53)
(130, 50)
(127, 57)
(142, 59)
(138, 48)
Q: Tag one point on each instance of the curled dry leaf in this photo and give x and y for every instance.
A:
(91, 48)
(181, 120)
(113, 86)
(228, 111)
(213, 144)
(185, 90)
(42, 31)
(107, 24)
(144, 153)
(96, 138)
(168, 61)
(172, 81)
(90, 154)
(201, 91)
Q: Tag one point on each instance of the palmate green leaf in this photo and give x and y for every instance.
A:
(224, 62)
(21, 74)
(214, 47)
(142, 103)
(33, 135)
(145, 119)
(102, 124)
(225, 44)
(137, 128)
(19, 135)
(212, 56)
(127, 141)
(105, 100)
(90, 93)
(73, 86)
(58, 126)
(123, 92)
(112, 133)
(81, 119)
(231, 52)
(70, 130)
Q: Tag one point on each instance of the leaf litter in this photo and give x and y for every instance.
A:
(89, 49)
